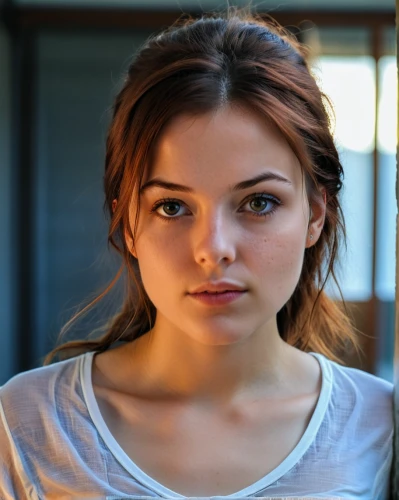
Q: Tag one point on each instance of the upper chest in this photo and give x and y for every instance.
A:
(197, 452)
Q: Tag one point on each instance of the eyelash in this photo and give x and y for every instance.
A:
(262, 196)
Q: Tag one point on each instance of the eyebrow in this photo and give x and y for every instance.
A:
(171, 186)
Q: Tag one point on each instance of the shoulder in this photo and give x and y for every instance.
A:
(364, 385)
(38, 378)
(355, 439)
(33, 395)
(361, 401)
(46, 429)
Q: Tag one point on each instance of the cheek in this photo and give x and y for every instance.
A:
(277, 266)
(279, 258)
(160, 263)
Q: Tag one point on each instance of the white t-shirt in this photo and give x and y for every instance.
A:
(54, 443)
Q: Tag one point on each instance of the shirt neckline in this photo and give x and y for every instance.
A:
(288, 463)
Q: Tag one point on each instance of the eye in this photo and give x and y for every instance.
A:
(170, 207)
(261, 205)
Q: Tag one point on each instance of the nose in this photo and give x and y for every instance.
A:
(214, 241)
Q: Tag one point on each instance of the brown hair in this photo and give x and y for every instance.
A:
(197, 66)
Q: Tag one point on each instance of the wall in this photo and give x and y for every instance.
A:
(7, 346)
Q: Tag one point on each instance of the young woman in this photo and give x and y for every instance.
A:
(221, 375)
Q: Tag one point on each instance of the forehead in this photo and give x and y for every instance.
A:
(221, 148)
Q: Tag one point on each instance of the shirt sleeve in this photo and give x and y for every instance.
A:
(384, 411)
(14, 482)
(382, 479)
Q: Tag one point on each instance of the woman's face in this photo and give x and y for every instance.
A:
(213, 230)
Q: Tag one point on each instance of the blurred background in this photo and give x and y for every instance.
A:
(61, 63)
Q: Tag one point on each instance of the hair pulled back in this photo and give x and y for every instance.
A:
(194, 67)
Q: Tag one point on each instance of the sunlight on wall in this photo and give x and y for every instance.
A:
(386, 202)
(349, 82)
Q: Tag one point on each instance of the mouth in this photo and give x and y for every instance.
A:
(219, 292)
(218, 298)
(217, 288)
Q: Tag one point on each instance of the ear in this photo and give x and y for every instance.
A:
(317, 218)
(130, 244)
(128, 238)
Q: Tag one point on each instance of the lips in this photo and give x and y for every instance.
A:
(218, 298)
(218, 287)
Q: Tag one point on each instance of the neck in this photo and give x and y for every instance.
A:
(170, 364)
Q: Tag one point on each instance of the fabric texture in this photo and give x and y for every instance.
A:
(54, 443)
